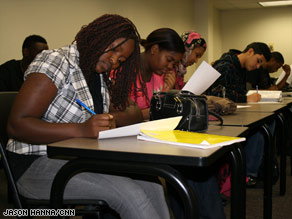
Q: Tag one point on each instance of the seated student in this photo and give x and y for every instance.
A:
(260, 78)
(46, 111)
(12, 72)
(163, 51)
(195, 47)
(283, 75)
(233, 67)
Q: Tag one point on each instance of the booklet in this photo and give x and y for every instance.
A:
(267, 95)
(202, 79)
(162, 130)
(130, 130)
(188, 139)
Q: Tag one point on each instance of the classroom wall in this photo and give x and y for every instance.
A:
(270, 25)
(59, 20)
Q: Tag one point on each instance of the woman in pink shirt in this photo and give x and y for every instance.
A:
(163, 51)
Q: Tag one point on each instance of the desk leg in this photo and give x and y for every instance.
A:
(171, 175)
(238, 190)
(282, 149)
(267, 172)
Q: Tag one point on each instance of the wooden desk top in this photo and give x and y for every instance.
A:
(131, 149)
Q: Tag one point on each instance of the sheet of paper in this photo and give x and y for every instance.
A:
(202, 79)
(240, 106)
(130, 130)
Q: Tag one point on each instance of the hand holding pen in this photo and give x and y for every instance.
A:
(98, 122)
(255, 97)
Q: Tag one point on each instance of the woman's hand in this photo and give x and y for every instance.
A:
(97, 123)
(169, 81)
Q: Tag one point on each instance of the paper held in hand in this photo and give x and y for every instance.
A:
(202, 79)
(267, 95)
(162, 131)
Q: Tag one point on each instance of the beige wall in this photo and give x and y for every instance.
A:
(59, 20)
(269, 25)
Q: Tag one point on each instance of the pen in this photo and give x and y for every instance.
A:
(86, 107)
(257, 88)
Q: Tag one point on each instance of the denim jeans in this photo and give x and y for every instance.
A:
(254, 150)
(206, 190)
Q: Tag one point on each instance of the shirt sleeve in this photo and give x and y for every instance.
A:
(52, 64)
(228, 83)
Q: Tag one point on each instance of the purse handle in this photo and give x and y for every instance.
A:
(217, 116)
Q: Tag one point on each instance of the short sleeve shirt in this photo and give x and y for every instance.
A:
(61, 67)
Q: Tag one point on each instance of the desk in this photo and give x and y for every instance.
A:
(254, 121)
(280, 109)
(129, 155)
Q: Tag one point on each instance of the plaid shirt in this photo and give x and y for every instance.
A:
(61, 66)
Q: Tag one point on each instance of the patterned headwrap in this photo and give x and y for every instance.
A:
(191, 40)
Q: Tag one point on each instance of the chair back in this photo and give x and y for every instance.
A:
(6, 101)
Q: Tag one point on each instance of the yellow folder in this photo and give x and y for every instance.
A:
(189, 139)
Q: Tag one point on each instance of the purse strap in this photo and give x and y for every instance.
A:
(217, 116)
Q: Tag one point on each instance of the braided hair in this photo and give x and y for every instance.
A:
(92, 41)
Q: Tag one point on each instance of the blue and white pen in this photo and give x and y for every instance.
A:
(86, 107)
(257, 88)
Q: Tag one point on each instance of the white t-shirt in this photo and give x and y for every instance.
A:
(289, 79)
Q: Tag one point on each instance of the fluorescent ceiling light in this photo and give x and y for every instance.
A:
(275, 3)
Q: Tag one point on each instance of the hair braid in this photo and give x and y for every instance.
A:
(92, 41)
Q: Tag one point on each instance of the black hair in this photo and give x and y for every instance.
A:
(166, 38)
(92, 41)
(259, 48)
(278, 57)
(31, 40)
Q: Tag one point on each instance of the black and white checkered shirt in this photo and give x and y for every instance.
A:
(61, 66)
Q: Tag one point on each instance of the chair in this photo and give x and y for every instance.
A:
(93, 207)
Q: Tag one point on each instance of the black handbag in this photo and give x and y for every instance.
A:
(192, 108)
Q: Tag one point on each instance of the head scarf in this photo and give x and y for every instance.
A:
(191, 40)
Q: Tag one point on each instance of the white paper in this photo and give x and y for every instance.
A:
(267, 95)
(241, 106)
(130, 130)
(202, 79)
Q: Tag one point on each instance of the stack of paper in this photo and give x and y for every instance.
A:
(189, 139)
(268, 95)
(162, 131)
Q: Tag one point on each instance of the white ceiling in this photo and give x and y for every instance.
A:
(237, 4)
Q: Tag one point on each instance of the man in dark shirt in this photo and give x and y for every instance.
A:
(261, 77)
(11, 72)
(233, 66)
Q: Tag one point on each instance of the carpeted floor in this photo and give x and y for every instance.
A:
(282, 205)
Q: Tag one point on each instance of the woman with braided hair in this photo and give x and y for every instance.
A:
(46, 111)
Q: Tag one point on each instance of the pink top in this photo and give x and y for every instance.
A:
(179, 83)
(154, 85)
